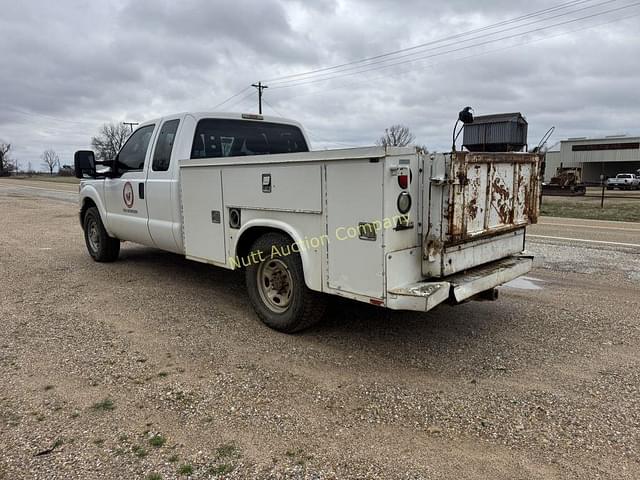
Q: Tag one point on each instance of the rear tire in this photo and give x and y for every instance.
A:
(100, 245)
(276, 286)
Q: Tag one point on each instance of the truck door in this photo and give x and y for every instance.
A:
(162, 194)
(127, 214)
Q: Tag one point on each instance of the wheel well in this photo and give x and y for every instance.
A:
(251, 235)
(86, 205)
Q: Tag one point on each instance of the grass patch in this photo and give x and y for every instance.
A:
(173, 458)
(104, 405)
(185, 469)
(154, 476)
(226, 450)
(221, 469)
(163, 374)
(139, 451)
(157, 441)
(617, 209)
(99, 442)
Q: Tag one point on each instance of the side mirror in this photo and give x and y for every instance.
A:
(84, 161)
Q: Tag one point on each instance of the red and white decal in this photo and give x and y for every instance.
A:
(127, 195)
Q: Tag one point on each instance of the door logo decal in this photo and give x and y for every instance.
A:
(127, 195)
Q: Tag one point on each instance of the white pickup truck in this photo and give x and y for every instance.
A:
(387, 226)
(624, 181)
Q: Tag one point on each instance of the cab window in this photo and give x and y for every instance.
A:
(132, 155)
(164, 146)
(237, 138)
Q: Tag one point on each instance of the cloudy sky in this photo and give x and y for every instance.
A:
(69, 66)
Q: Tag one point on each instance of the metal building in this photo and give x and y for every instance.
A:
(606, 156)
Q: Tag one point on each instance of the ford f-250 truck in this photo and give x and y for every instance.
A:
(392, 226)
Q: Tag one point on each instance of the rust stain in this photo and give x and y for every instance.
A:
(501, 197)
(473, 208)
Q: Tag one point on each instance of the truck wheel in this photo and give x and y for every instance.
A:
(276, 286)
(101, 246)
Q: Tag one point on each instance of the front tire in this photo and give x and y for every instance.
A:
(100, 245)
(276, 287)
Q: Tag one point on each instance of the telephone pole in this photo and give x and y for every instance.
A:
(131, 125)
(260, 88)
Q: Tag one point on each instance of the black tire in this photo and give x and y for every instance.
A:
(100, 245)
(289, 306)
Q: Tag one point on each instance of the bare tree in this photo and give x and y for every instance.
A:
(110, 140)
(396, 136)
(4, 157)
(50, 160)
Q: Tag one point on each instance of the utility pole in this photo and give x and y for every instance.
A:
(131, 125)
(260, 88)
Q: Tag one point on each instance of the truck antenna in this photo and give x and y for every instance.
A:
(260, 88)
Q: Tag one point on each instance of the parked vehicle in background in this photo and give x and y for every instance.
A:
(566, 182)
(389, 226)
(624, 181)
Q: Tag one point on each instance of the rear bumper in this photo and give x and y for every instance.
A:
(423, 296)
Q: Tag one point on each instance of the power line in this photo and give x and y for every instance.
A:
(433, 42)
(487, 42)
(272, 108)
(239, 102)
(458, 59)
(231, 97)
(317, 78)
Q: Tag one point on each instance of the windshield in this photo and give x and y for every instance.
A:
(237, 138)
(624, 175)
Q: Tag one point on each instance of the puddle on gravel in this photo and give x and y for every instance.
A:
(524, 283)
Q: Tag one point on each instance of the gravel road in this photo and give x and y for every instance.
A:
(157, 365)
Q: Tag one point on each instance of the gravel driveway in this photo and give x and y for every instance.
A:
(156, 367)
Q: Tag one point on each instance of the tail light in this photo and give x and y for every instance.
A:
(403, 181)
(404, 178)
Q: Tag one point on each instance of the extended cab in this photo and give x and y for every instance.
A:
(391, 226)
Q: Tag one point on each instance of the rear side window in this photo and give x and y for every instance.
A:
(237, 138)
(132, 155)
(164, 146)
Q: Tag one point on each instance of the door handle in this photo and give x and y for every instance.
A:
(141, 190)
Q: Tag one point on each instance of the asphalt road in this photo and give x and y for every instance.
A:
(154, 363)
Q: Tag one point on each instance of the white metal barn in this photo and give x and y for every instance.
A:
(606, 156)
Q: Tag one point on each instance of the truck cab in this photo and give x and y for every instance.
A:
(138, 193)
